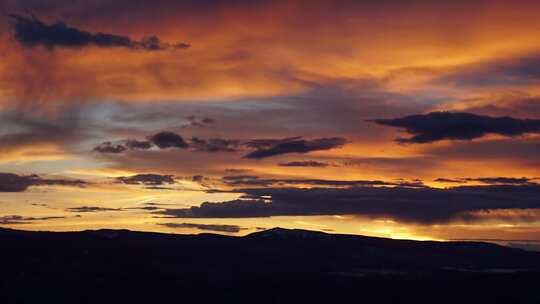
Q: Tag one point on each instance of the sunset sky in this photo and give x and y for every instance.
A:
(402, 119)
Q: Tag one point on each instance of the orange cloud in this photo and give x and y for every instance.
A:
(266, 49)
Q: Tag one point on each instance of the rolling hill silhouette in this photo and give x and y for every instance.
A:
(272, 266)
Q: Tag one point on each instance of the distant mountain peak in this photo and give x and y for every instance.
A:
(284, 233)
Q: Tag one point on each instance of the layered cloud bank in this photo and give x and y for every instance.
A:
(416, 111)
(423, 205)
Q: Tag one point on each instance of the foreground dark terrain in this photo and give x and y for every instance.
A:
(273, 266)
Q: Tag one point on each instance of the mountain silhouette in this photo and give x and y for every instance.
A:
(273, 266)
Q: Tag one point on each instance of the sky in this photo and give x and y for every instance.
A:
(402, 119)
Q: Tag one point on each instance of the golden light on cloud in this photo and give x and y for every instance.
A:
(299, 97)
(42, 152)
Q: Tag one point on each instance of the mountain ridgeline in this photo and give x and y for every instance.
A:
(272, 266)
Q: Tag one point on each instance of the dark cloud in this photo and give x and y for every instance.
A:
(109, 147)
(231, 209)
(269, 148)
(209, 227)
(309, 163)
(18, 219)
(14, 183)
(262, 147)
(490, 180)
(435, 126)
(450, 180)
(38, 181)
(40, 205)
(148, 208)
(411, 184)
(423, 205)
(32, 32)
(88, 209)
(134, 144)
(168, 139)
(247, 180)
(215, 144)
(10, 182)
(122, 146)
(159, 188)
(165, 140)
(501, 180)
(147, 179)
(251, 180)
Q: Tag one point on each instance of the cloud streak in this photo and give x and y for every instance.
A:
(262, 148)
(32, 32)
(489, 180)
(308, 163)
(10, 182)
(206, 227)
(251, 180)
(89, 209)
(213, 145)
(18, 219)
(147, 179)
(437, 126)
(162, 140)
(270, 148)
